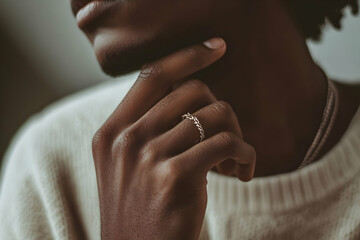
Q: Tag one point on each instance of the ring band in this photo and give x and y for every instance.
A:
(196, 122)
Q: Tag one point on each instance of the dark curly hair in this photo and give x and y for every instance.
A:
(311, 15)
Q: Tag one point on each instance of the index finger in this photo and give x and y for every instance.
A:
(156, 79)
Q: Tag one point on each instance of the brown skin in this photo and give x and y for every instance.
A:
(151, 174)
(150, 171)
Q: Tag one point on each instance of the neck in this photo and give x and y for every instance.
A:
(275, 88)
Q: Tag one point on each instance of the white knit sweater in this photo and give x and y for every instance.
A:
(49, 188)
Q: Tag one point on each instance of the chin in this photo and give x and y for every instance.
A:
(123, 52)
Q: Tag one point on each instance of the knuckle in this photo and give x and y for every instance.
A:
(150, 72)
(227, 139)
(223, 107)
(126, 140)
(127, 136)
(197, 85)
(101, 144)
(174, 173)
(97, 139)
(195, 88)
(149, 152)
(97, 145)
(102, 137)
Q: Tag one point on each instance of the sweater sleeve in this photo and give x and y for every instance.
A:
(48, 189)
(22, 205)
(33, 204)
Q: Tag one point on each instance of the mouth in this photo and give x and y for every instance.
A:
(86, 11)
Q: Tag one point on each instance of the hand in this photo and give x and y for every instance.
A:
(151, 173)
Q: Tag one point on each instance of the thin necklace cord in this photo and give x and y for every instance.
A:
(328, 119)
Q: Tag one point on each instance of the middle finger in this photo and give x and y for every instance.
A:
(190, 96)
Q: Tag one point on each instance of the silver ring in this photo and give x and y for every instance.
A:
(197, 124)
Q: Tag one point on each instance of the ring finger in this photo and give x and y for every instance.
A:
(214, 118)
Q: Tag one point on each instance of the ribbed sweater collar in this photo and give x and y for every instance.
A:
(287, 191)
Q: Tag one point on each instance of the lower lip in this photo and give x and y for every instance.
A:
(91, 11)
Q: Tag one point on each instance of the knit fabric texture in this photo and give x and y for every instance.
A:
(49, 190)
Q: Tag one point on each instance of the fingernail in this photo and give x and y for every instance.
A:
(214, 43)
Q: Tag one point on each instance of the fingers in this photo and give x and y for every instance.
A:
(214, 118)
(157, 79)
(190, 96)
(205, 155)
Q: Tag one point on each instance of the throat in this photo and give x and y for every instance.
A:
(274, 87)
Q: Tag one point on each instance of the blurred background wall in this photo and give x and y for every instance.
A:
(44, 57)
